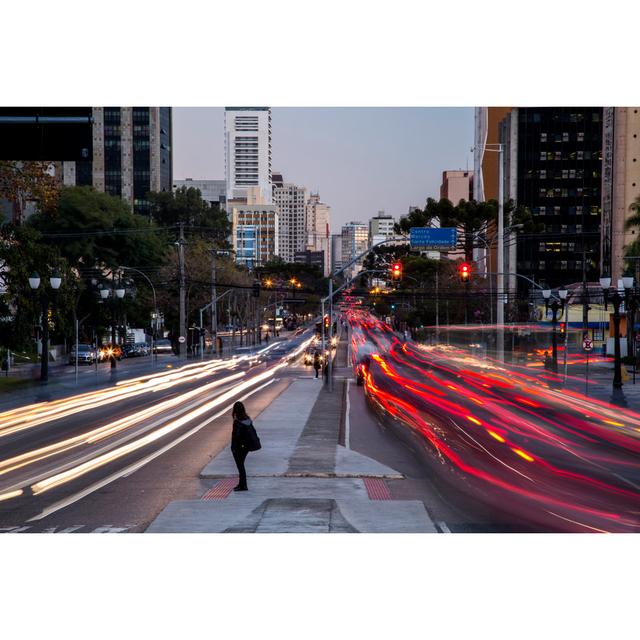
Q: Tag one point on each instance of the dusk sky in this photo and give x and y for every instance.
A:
(361, 160)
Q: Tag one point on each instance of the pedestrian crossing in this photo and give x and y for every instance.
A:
(77, 528)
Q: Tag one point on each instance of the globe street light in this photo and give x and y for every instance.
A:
(617, 296)
(34, 282)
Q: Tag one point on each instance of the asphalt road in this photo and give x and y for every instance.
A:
(515, 440)
(110, 459)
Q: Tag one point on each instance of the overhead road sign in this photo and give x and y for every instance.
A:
(433, 238)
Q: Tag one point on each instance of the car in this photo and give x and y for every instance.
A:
(136, 350)
(86, 354)
(308, 357)
(163, 346)
(108, 351)
(361, 369)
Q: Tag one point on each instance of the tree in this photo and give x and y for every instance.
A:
(186, 206)
(469, 217)
(22, 252)
(28, 181)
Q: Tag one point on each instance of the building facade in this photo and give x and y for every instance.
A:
(291, 201)
(620, 187)
(553, 166)
(123, 151)
(254, 234)
(381, 227)
(355, 240)
(213, 191)
(315, 258)
(336, 252)
(456, 186)
(318, 220)
(247, 132)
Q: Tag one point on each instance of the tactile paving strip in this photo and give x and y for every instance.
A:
(377, 489)
(221, 489)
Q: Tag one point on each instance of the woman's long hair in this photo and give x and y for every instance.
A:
(239, 412)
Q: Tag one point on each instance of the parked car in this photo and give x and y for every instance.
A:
(163, 346)
(86, 354)
(110, 350)
(136, 350)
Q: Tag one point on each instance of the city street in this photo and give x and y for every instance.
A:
(73, 464)
(510, 437)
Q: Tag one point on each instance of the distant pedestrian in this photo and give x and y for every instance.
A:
(219, 345)
(240, 442)
(316, 363)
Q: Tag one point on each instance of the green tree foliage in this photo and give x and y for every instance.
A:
(185, 205)
(22, 252)
(469, 217)
(94, 230)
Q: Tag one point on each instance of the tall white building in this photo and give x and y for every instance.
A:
(318, 234)
(290, 201)
(355, 240)
(380, 228)
(247, 137)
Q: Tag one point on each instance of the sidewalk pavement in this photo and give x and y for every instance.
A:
(301, 481)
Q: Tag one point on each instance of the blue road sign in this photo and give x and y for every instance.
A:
(434, 238)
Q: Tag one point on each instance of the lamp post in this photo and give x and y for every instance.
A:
(34, 282)
(617, 296)
(555, 306)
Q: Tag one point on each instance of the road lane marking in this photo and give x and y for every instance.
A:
(75, 527)
(443, 526)
(127, 471)
(347, 423)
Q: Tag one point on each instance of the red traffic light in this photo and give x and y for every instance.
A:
(396, 269)
(465, 271)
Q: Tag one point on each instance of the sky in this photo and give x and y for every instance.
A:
(360, 160)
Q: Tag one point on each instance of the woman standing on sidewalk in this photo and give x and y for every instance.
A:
(240, 442)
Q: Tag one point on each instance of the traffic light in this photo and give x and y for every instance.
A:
(396, 270)
(256, 289)
(563, 327)
(326, 322)
(465, 272)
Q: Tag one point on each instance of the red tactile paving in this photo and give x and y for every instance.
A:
(221, 489)
(377, 489)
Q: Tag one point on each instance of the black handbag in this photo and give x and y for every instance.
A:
(252, 439)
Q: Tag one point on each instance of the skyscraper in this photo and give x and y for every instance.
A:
(247, 132)
(290, 200)
(124, 151)
(553, 166)
(318, 216)
(355, 240)
(620, 187)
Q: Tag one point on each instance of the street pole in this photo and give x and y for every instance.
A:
(500, 280)
(437, 305)
(112, 359)
(214, 306)
(617, 368)
(329, 361)
(202, 336)
(77, 332)
(44, 361)
(183, 316)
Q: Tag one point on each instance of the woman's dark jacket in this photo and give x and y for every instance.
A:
(239, 437)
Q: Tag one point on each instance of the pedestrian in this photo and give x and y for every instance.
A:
(316, 362)
(219, 345)
(240, 442)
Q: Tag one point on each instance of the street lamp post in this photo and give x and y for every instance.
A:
(555, 306)
(614, 295)
(34, 282)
